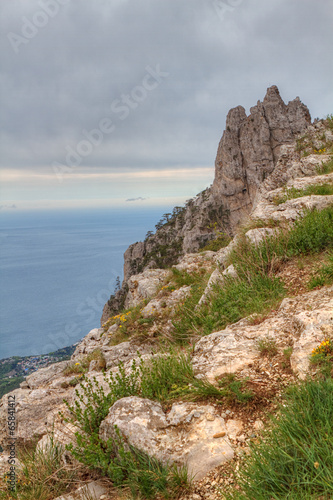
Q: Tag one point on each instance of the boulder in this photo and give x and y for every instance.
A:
(46, 375)
(257, 235)
(36, 411)
(144, 286)
(305, 320)
(184, 436)
(168, 303)
(93, 490)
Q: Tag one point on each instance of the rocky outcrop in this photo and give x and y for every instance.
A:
(302, 322)
(248, 153)
(190, 434)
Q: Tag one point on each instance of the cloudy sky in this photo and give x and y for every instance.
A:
(105, 101)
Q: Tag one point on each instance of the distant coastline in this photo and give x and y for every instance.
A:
(13, 370)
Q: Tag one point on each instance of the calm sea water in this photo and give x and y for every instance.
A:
(57, 269)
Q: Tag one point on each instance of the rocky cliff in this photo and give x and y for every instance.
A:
(275, 166)
(247, 154)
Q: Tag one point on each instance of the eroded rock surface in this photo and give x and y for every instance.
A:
(306, 320)
(185, 435)
(249, 152)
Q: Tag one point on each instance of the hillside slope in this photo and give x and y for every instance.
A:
(204, 348)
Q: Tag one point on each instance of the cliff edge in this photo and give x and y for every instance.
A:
(247, 154)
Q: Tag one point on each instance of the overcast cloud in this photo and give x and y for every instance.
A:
(68, 66)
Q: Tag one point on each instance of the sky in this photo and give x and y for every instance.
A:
(120, 102)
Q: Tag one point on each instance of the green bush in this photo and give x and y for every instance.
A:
(311, 233)
(294, 460)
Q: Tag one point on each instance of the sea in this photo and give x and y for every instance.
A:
(57, 270)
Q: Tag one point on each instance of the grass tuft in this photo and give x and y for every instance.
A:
(324, 275)
(292, 193)
(267, 347)
(294, 460)
(43, 476)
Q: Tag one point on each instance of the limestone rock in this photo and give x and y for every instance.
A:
(225, 352)
(291, 209)
(88, 344)
(258, 425)
(235, 347)
(61, 434)
(257, 235)
(93, 490)
(314, 327)
(195, 261)
(169, 303)
(250, 147)
(124, 352)
(234, 428)
(300, 183)
(144, 286)
(5, 466)
(183, 436)
(44, 375)
(35, 412)
(248, 154)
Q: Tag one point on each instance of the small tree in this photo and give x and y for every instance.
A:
(117, 287)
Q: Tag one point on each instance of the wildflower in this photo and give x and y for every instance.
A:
(77, 364)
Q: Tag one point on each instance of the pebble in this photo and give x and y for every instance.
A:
(219, 435)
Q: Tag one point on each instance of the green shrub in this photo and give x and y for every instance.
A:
(294, 460)
(162, 378)
(238, 297)
(311, 233)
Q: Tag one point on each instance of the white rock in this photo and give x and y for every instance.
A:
(234, 428)
(168, 303)
(92, 341)
(314, 327)
(46, 375)
(193, 261)
(184, 436)
(258, 425)
(93, 490)
(305, 319)
(144, 285)
(259, 234)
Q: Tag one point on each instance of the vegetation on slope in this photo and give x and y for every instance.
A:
(256, 289)
(294, 458)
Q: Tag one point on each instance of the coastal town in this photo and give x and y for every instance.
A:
(13, 370)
